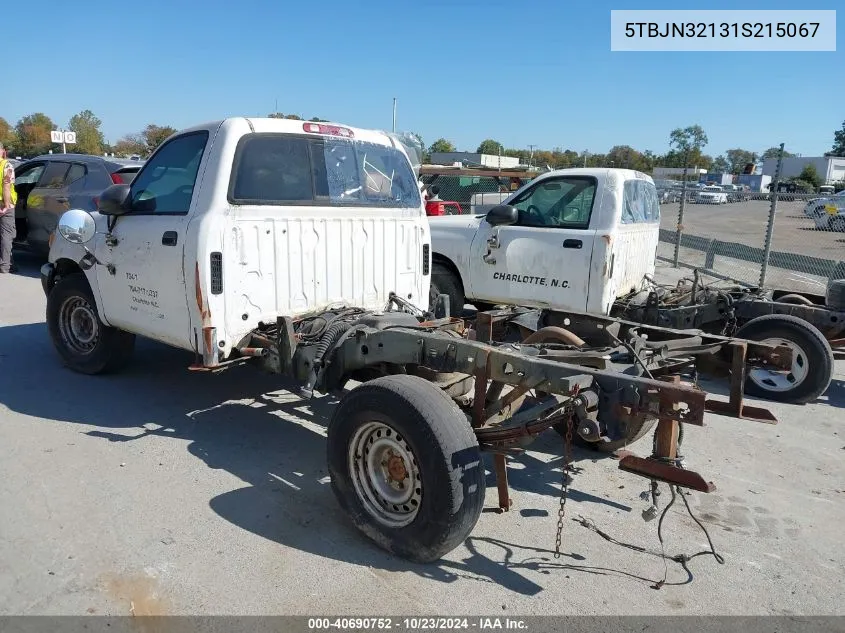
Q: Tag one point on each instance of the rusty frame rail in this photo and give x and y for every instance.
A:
(564, 385)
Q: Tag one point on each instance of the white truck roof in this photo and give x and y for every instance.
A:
(294, 126)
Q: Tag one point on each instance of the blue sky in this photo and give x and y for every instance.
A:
(538, 73)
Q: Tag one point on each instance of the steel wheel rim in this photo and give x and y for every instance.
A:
(780, 381)
(78, 325)
(385, 474)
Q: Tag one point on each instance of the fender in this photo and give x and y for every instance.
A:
(451, 240)
(64, 259)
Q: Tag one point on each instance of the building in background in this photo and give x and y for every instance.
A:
(756, 182)
(831, 169)
(471, 159)
(716, 178)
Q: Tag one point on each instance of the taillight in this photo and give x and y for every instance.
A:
(96, 203)
(117, 179)
(333, 130)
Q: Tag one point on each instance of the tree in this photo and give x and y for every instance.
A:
(721, 165)
(688, 139)
(89, 138)
(33, 132)
(489, 146)
(810, 175)
(772, 153)
(130, 145)
(625, 156)
(838, 142)
(295, 117)
(155, 135)
(8, 136)
(441, 145)
(738, 159)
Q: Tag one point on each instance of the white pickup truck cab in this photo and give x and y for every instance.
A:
(573, 239)
(234, 223)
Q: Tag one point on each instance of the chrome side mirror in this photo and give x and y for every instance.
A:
(77, 226)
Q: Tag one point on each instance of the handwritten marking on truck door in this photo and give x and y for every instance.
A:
(143, 296)
(536, 281)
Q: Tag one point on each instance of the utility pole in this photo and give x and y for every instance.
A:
(531, 155)
(585, 158)
(394, 115)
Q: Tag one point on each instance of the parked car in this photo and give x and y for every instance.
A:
(830, 215)
(50, 184)
(736, 193)
(817, 207)
(711, 194)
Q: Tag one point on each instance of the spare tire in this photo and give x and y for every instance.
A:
(812, 363)
(835, 294)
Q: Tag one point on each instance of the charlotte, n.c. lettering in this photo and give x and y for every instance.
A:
(529, 279)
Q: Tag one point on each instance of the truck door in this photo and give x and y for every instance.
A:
(544, 259)
(142, 279)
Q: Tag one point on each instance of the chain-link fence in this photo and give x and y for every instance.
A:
(469, 194)
(785, 239)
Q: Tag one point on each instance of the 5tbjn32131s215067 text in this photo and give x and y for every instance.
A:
(721, 29)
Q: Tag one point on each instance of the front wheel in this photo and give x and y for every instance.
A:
(444, 281)
(81, 339)
(812, 359)
(406, 467)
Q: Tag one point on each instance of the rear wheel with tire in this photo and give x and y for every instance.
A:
(406, 467)
(812, 361)
(444, 281)
(81, 339)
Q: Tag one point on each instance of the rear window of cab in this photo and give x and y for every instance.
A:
(288, 169)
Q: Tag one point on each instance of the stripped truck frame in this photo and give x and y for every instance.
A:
(582, 385)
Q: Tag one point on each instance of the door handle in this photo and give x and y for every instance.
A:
(62, 200)
(169, 238)
(572, 243)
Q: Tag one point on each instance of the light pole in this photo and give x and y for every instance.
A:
(394, 115)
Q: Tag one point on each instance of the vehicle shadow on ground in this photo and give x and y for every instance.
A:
(28, 263)
(836, 393)
(244, 422)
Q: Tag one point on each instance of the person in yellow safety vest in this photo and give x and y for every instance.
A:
(8, 198)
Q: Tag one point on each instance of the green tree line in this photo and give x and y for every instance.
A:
(30, 136)
(686, 146)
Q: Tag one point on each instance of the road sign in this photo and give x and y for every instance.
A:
(62, 136)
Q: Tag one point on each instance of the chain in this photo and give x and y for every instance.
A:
(564, 485)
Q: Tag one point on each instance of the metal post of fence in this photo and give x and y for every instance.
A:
(770, 228)
(680, 228)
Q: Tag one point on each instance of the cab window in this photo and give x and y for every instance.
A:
(166, 182)
(558, 202)
(639, 202)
